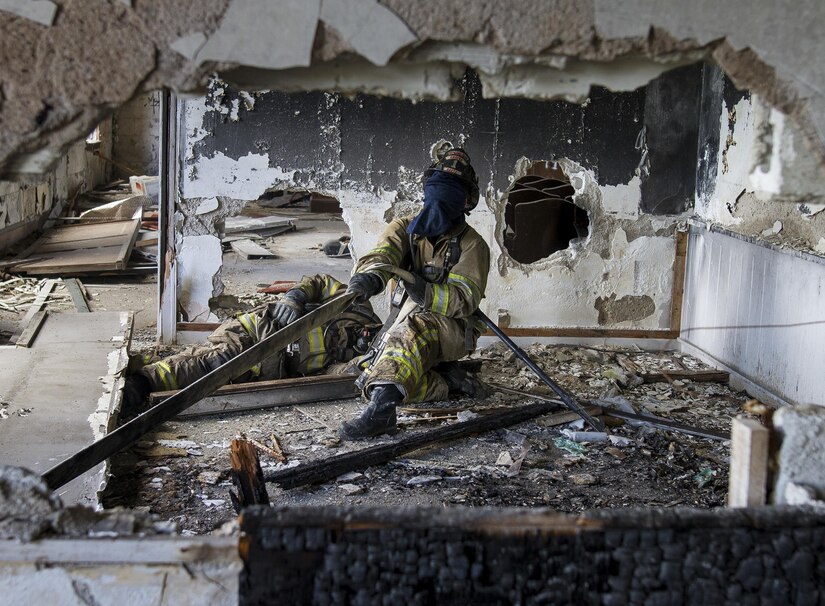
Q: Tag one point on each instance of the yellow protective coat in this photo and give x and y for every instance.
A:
(316, 349)
(436, 330)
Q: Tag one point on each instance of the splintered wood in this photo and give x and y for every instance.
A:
(748, 463)
(247, 475)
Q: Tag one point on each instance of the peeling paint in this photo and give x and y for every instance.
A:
(351, 18)
(39, 11)
(245, 178)
(249, 28)
(622, 201)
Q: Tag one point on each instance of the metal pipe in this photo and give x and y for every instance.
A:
(567, 399)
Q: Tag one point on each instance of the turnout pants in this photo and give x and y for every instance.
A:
(413, 347)
(230, 339)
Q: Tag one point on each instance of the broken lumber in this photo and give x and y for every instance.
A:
(128, 433)
(247, 475)
(250, 250)
(29, 333)
(268, 394)
(747, 485)
(324, 470)
(561, 418)
(75, 289)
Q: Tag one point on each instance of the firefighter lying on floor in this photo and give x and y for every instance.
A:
(330, 349)
(450, 262)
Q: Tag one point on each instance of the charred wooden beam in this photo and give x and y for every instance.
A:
(330, 468)
(247, 475)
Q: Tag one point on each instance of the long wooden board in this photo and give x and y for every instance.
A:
(84, 248)
(268, 394)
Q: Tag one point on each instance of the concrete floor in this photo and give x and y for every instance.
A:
(57, 394)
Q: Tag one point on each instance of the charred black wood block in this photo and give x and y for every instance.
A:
(489, 556)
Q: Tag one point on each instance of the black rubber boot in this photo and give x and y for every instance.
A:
(461, 381)
(136, 391)
(379, 416)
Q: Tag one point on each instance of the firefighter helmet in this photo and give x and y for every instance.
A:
(455, 161)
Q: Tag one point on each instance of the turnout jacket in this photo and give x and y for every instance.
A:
(454, 289)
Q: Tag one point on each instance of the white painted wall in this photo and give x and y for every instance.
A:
(759, 311)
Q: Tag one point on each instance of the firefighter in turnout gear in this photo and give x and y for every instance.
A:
(328, 348)
(449, 261)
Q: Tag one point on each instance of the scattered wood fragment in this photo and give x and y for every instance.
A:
(250, 250)
(562, 418)
(43, 293)
(747, 485)
(275, 454)
(268, 394)
(29, 332)
(668, 376)
(314, 418)
(247, 475)
(325, 470)
(75, 288)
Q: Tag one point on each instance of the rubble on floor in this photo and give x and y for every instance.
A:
(182, 472)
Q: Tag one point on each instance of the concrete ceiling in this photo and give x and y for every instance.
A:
(68, 63)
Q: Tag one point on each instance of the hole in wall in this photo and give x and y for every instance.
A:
(540, 216)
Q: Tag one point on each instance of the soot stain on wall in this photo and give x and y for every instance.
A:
(334, 141)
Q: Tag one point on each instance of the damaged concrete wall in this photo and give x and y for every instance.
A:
(753, 298)
(135, 136)
(757, 177)
(57, 84)
(369, 153)
(24, 206)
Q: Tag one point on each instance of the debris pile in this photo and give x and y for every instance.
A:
(546, 461)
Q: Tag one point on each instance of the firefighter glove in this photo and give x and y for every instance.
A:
(416, 290)
(365, 285)
(289, 308)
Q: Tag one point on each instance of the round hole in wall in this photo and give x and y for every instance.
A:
(540, 217)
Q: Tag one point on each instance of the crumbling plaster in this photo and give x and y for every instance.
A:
(625, 255)
(767, 181)
(78, 75)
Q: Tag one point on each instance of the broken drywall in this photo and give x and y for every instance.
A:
(199, 261)
(763, 175)
(273, 34)
(361, 151)
(351, 18)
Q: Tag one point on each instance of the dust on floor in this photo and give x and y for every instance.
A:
(181, 472)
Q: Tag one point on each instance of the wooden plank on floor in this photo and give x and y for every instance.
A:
(269, 394)
(29, 332)
(76, 291)
(698, 376)
(250, 250)
(39, 301)
(747, 485)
